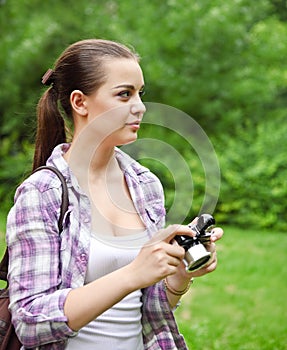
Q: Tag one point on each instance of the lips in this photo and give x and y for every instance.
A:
(135, 125)
(136, 122)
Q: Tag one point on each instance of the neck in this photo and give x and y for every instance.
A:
(90, 159)
(92, 155)
(87, 158)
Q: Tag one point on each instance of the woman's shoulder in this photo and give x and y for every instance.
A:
(41, 180)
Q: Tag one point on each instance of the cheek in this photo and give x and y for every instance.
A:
(99, 109)
(121, 114)
(110, 120)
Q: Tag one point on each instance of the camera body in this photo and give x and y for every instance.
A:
(196, 255)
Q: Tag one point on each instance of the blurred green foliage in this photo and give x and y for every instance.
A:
(254, 176)
(222, 63)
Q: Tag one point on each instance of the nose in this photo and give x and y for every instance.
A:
(138, 108)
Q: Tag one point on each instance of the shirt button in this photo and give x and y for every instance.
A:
(86, 219)
(83, 257)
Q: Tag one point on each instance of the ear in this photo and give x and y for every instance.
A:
(78, 102)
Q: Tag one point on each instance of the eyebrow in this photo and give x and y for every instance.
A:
(127, 86)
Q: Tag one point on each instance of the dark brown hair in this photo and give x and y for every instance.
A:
(80, 67)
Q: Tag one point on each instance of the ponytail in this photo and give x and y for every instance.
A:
(50, 127)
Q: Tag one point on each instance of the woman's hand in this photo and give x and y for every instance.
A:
(217, 233)
(181, 279)
(158, 258)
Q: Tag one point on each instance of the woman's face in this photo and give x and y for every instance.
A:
(116, 108)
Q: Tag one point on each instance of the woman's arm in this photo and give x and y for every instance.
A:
(33, 240)
(156, 260)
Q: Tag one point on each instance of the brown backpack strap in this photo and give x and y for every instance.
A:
(64, 207)
(65, 197)
(4, 266)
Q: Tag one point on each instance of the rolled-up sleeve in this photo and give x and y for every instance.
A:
(160, 330)
(36, 300)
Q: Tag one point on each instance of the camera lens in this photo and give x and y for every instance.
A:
(196, 257)
(198, 264)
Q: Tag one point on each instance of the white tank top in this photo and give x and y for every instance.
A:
(119, 328)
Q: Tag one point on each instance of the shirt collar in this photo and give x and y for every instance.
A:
(128, 165)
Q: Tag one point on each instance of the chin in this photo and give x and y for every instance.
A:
(128, 141)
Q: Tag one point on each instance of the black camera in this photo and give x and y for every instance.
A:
(196, 255)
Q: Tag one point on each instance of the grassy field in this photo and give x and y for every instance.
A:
(243, 304)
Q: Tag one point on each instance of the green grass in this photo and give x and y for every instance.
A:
(243, 304)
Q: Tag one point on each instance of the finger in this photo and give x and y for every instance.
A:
(213, 257)
(211, 247)
(209, 267)
(174, 261)
(170, 232)
(216, 234)
(175, 251)
(194, 221)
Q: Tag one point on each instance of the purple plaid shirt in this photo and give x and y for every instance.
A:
(44, 266)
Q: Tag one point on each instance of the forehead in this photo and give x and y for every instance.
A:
(123, 70)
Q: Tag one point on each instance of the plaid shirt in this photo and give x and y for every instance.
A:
(44, 266)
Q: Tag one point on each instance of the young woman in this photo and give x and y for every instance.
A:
(111, 279)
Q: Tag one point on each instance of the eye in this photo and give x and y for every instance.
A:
(141, 92)
(125, 94)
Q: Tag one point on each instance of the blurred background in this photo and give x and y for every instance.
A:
(223, 63)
